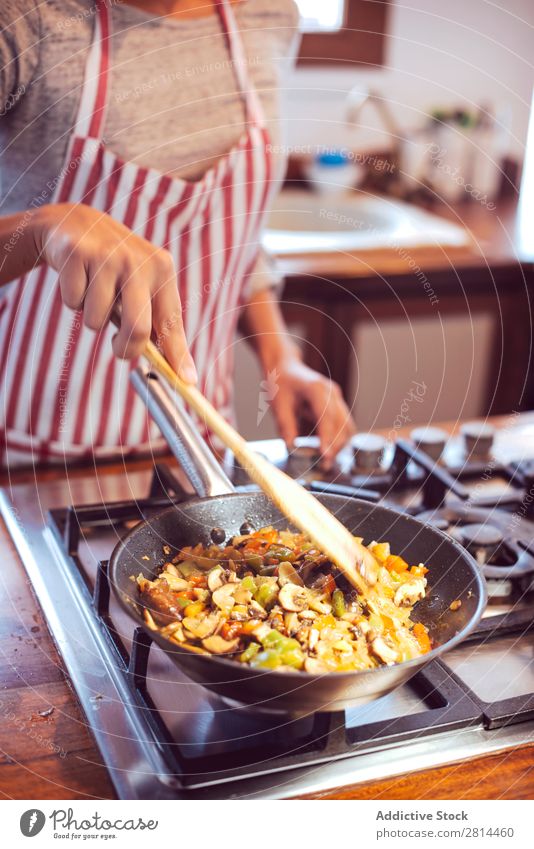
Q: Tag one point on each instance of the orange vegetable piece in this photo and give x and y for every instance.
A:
(394, 563)
(186, 594)
(329, 585)
(324, 621)
(198, 580)
(248, 627)
(419, 571)
(420, 633)
(230, 630)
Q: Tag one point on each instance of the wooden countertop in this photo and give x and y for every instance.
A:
(496, 242)
(51, 755)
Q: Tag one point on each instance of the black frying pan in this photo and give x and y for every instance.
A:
(453, 575)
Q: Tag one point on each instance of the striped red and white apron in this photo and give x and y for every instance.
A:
(62, 392)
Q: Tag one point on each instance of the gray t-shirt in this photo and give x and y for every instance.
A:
(173, 104)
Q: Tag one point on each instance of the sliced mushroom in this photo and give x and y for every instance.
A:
(314, 638)
(231, 574)
(147, 616)
(217, 645)
(201, 628)
(242, 596)
(342, 646)
(308, 614)
(292, 623)
(316, 667)
(176, 584)
(319, 605)
(174, 632)
(410, 592)
(293, 597)
(303, 635)
(257, 611)
(287, 574)
(224, 597)
(383, 652)
(216, 578)
(195, 649)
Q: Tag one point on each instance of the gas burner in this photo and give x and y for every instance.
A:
(482, 541)
(500, 545)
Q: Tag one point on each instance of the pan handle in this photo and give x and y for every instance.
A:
(195, 458)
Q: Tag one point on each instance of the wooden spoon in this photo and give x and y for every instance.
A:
(332, 538)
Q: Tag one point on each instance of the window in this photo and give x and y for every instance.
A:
(318, 16)
(343, 31)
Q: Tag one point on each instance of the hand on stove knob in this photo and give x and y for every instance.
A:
(298, 389)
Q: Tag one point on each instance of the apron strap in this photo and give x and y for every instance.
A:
(253, 105)
(93, 102)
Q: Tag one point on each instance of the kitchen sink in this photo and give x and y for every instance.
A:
(304, 222)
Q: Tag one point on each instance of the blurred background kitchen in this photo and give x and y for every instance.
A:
(401, 236)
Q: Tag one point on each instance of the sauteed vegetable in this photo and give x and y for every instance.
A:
(269, 599)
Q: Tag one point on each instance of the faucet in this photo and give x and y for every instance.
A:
(357, 100)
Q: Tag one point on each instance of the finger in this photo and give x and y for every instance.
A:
(286, 419)
(342, 425)
(99, 297)
(169, 327)
(136, 319)
(330, 424)
(73, 282)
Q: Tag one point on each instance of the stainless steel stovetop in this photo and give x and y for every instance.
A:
(163, 736)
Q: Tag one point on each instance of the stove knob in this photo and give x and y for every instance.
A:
(303, 458)
(478, 438)
(368, 449)
(431, 440)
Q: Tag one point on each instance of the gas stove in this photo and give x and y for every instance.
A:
(163, 736)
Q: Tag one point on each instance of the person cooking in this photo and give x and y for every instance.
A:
(136, 166)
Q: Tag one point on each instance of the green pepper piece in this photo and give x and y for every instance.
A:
(266, 595)
(187, 568)
(254, 561)
(250, 652)
(248, 583)
(338, 604)
(291, 644)
(270, 659)
(280, 552)
(293, 657)
(274, 640)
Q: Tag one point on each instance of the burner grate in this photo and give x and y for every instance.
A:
(152, 754)
(447, 703)
(508, 711)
